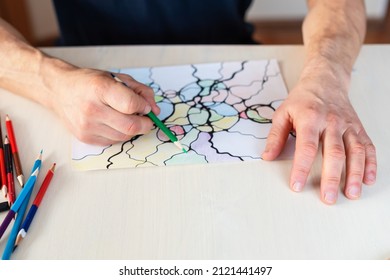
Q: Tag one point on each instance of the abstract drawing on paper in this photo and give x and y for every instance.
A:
(220, 112)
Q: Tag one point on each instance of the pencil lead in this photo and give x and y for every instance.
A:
(21, 235)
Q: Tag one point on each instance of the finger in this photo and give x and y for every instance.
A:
(142, 90)
(110, 126)
(129, 125)
(355, 162)
(125, 100)
(277, 136)
(101, 135)
(332, 165)
(370, 169)
(306, 147)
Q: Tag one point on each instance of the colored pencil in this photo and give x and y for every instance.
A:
(14, 149)
(9, 247)
(15, 207)
(11, 195)
(158, 122)
(34, 207)
(2, 166)
(4, 206)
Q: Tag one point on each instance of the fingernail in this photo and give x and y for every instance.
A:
(147, 109)
(330, 197)
(353, 192)
(297, 186)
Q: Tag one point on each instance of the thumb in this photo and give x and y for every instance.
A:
(277, 137)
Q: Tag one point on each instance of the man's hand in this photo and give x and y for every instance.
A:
(318, 108)
(324, 114)
(99, 110)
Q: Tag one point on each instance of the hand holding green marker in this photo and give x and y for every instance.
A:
(159, 123)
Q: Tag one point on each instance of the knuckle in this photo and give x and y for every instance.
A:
(133, 128)
(310, 149)
(85, 138)
(84, 125)
(358, 149)
(332, 181)
(337, 152)
(302, 169)
(356, 173)
(131, 106)
(98, 85)
(370, 148)
(333, 119)
(89, 109)
(312, 115)
(274, 136)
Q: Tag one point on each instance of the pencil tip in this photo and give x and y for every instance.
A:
(5, 190)
(178, 144)
(53, 167)
(7, 117)
(18, 239)
(20, 180)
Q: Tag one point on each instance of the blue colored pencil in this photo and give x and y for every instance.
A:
(35, 205)
(9, 248)
(19, 200)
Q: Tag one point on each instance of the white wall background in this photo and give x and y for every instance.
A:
(44, 24)
(296, 9)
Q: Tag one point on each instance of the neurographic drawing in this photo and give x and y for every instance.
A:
(220, 112)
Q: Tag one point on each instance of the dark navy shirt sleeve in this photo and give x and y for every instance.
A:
(112, 22)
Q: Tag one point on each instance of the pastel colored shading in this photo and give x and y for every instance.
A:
(220, 112)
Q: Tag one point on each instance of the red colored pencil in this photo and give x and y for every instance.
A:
(34, 207)
(14, 149)
(2, 166)
(10, 176)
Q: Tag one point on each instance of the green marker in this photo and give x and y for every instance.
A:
(159, 123)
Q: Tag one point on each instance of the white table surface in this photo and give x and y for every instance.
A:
(214, 211)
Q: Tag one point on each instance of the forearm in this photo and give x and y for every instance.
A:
(24, 70)
(333, 33)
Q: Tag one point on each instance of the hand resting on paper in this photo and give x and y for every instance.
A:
(312, 112)
(318, 108)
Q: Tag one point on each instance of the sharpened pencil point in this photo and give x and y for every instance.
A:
(20, 180)
(178, 144)
(21, 235)
(5, 191)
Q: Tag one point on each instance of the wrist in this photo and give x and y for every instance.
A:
(51, 72)
(321, 73)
